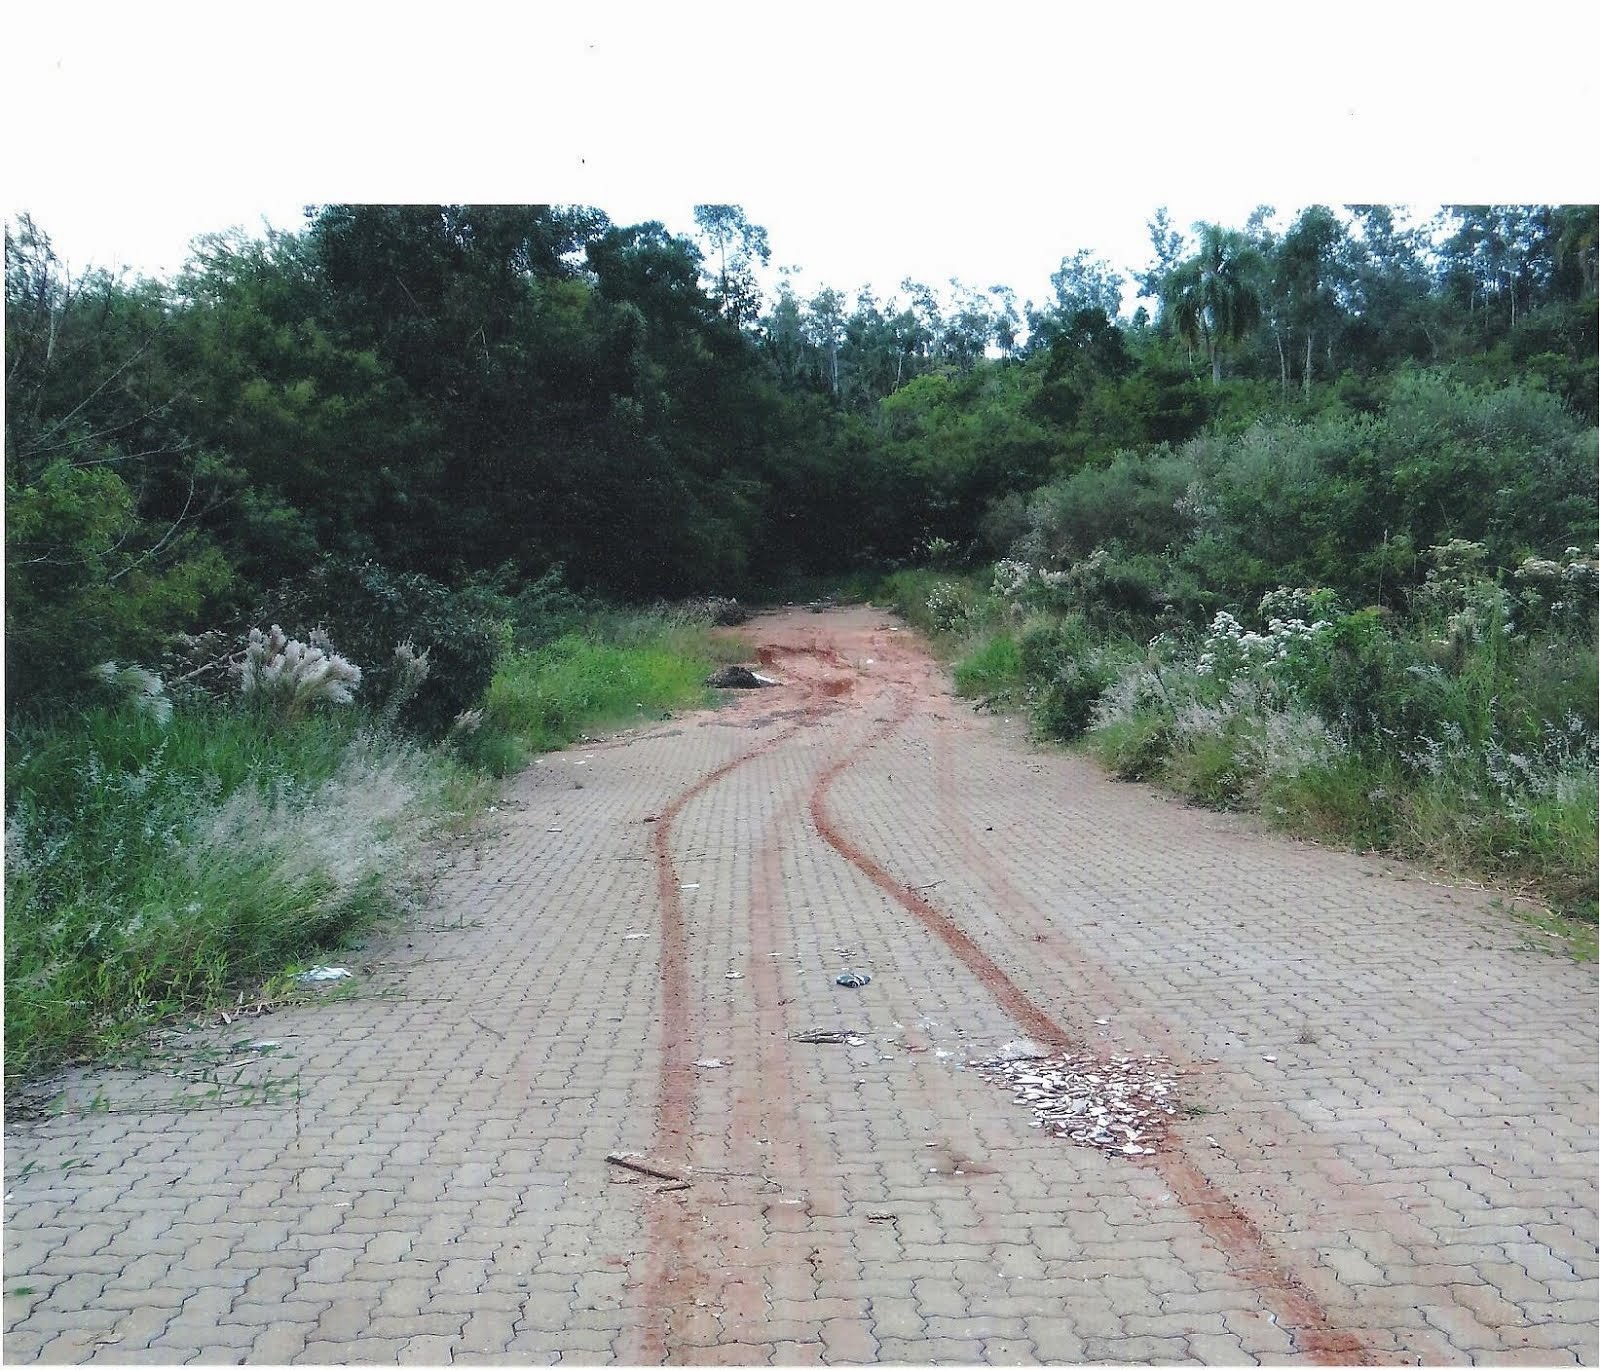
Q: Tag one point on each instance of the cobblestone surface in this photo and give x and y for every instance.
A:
(1390, 1153)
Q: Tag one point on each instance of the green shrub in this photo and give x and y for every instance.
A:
(1136, 502)
(1047, 645)
(1215, 771)
(546, 609)
(1064, 708)
(369, 610)
(1136, 748)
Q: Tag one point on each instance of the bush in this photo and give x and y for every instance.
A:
(1136, 502)
(370, 610)
(545, 609)
(1064, 709)
(1215, 770)
(1136, 748)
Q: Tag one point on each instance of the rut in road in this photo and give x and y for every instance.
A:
(677, 1272)
(1389, 1150)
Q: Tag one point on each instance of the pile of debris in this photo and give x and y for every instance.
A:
(1114, 1103)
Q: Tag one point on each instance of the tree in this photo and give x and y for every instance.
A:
(1082, 282)
(736, 245)
(825, 324)
(1166, 244)
(1214, 297)
(107, 497)
(1307, 262)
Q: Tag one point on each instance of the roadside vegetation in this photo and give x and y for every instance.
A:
(1238, 620)
(170, 848)
(309, 545)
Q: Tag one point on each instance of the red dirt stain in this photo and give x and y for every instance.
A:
(670, 1236)
(1244, 1243)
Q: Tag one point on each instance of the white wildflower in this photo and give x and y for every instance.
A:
(1538, 568)
(1011, 578)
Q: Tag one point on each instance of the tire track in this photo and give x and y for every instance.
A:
(1249, 1251)
(675, 1276)
(668, 1227)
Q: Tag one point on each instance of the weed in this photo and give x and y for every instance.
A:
(548, 698)
(992, 669)
(152, 868)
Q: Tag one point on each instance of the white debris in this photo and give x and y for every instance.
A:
(1116, 1103)
(318, 975)
(1021, 1050)
(711, 1063)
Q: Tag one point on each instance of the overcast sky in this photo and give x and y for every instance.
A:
(872, 141)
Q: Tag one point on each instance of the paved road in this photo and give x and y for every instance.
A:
(1387, 1150)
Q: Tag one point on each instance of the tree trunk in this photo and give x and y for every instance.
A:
(1283, 365)
(1216, 365)
(1305, 376)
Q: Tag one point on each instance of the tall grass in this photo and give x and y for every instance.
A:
(155, 864)
(152, 868)
(549, 697)
(991, 669)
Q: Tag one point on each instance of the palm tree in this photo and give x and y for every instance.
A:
(1215, 296)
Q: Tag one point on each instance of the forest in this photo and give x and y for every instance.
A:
(308, 544)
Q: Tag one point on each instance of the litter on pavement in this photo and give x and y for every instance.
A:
(318, 975)
(853, 979)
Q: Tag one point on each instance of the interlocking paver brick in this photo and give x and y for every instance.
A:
(1420, 1159)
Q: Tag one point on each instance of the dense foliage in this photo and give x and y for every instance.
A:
(408, 455)
(477, 394)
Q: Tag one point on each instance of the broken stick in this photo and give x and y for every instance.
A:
(628, 1163)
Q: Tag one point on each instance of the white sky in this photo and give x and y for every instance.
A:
(872, 141)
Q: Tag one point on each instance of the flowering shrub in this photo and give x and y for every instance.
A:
(947, 606)
(1230, 650)
(1552, 593)
(1011, 578)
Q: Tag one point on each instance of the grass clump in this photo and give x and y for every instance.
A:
(992, 669)
(550, 697)
(152, 868)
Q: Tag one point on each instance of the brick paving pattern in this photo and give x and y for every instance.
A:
(1387, 1153)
